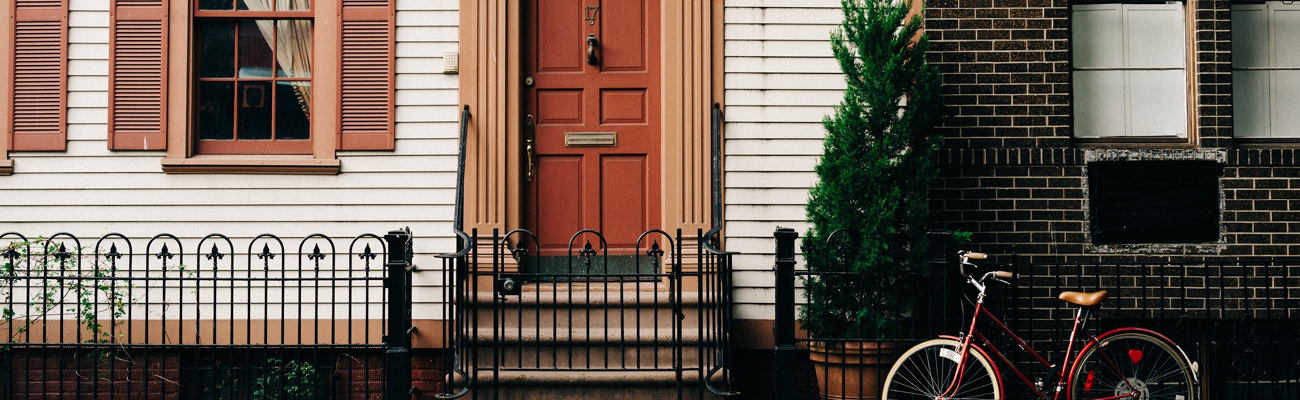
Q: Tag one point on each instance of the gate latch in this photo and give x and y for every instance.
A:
(509, 285)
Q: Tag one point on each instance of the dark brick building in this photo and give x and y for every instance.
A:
(1017, 171)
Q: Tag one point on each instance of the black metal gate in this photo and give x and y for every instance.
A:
(658, 311)
(203, 318)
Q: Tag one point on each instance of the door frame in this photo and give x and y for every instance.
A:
(691, 67)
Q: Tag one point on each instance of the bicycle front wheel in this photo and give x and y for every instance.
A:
(1134, 364)
(927, 370)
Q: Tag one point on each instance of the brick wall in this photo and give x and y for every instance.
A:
(1011, 172)
(197, 373)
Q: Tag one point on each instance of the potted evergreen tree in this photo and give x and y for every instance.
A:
(870, 198)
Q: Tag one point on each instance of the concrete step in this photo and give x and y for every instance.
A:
(585, 357)
(624, 311)
(616, 385)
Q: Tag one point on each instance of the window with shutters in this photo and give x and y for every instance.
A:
(1266, 71)
(1130, 71)
(251, 86)
(34, 53)
(253, 69)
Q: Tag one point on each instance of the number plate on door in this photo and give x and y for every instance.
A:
(590, 139)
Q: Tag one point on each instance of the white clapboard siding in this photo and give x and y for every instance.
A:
(780, 81)
(90, 191)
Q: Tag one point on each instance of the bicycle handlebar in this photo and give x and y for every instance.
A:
(976, 256)
(1005, 275)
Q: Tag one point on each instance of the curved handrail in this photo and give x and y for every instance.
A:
(466, 245)
(458, 221)
(708, 238)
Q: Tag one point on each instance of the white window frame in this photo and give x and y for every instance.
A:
(1273, 115)
(1125, 73)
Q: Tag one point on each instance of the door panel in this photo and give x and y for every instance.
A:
(624, 28)
(622, 196)
(614, 189)
(563, 175)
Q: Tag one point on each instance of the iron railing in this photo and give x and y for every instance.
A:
(1237, 319)
(909, 307)
(663, 308)
(205, 318)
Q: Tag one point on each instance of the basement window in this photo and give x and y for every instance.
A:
(1151, 202)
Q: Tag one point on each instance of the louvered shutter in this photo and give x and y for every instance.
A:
(368, 47)
(137, 84)
(40, 70)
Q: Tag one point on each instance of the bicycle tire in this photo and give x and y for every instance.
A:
(1147, 363)
(926, 370)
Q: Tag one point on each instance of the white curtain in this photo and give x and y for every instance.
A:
(293, 44)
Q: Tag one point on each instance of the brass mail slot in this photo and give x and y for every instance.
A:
(590, 139)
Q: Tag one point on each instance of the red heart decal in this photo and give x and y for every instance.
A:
(1135, 355)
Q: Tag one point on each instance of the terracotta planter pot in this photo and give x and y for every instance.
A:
(851, 370)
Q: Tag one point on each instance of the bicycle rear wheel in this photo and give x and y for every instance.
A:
(926, 370)
(1146, 364)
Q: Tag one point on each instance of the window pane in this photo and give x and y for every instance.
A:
(1286, 103)
(1099, 106)
(255, 55)
(216, 4)
(293, 45)
(217, 49)
(255, 105)
(1156, 37)
(293, 110)
(1250, 111)
(1157, 103)
(1249, 36)
(293, 5)
(1286, 31)
(216, 110)
(1096, 41)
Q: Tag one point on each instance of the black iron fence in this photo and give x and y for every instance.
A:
(1239, 320)
(661, 309)
(208, 318)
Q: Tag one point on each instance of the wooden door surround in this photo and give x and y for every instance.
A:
(492, 85)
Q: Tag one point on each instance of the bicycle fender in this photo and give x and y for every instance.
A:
(1196, 378)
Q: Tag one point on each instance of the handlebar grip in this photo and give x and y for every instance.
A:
(976, 256)
(1005, 275)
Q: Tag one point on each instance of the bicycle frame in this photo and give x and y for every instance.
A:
(1080, 320)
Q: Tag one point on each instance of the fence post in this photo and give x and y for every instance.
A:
(784, 359)
(940, 257)
(397, 360)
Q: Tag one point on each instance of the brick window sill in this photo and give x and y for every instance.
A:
(282, 165)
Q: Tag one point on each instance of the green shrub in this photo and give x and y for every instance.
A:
(876, 166)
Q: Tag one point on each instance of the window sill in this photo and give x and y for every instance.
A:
(286, 165)
(6, 167)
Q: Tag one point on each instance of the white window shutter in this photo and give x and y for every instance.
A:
(1249, 36)
(1157, 103)
(1099, 103)
(1286, 103)
(1155, 35)
(1250, 103)
(1286, 35)
(1097, 41)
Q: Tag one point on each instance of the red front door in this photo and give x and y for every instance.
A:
(593, 95)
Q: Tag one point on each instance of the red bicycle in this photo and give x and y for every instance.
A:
(1125, 363)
